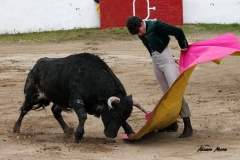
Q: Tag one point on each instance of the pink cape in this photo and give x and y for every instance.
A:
(209, 50)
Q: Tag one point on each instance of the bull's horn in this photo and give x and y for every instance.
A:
(138, 105)
(111, 100)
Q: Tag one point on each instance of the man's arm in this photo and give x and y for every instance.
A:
(167, 29)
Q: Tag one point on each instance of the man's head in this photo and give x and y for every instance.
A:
(135, 25)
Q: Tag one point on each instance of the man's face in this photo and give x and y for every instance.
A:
(142, 29)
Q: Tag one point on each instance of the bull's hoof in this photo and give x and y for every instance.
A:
(68, 130)
(130, 135)
(77, 137)
(16, 129)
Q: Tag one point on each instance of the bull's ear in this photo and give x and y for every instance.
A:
(98, 111)
(130, 96)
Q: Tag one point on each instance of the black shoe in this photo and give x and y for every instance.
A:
(188, 131)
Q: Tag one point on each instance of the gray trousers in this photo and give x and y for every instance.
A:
(166, 72)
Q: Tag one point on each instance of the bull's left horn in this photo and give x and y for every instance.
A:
(112, 100)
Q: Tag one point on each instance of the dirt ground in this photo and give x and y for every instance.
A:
(212, 93)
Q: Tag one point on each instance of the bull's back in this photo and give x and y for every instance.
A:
(84, 73)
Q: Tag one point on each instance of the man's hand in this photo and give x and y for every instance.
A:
(176, 60)
(184, 50)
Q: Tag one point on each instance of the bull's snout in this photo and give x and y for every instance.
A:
(110, 135)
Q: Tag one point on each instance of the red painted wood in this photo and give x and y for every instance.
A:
(115, 12)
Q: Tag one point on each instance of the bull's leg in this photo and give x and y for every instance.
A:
(30, 91)
(79, 108)
(128, 129)
(27, 106)
(56, 110)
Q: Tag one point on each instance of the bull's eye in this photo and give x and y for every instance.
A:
(115, 114)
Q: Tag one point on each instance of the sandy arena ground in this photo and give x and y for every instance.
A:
(213, 94)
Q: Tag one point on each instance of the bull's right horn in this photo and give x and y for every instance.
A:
(112, 100)
(138, 105)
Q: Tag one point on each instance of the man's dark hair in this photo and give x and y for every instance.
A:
(133, 24)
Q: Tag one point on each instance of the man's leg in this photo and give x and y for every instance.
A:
(166, 72)
(171, 73)
(156, 63)
(185, 114)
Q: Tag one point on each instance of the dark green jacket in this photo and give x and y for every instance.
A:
(157, 36)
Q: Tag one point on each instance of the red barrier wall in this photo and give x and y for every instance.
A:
(115, 12)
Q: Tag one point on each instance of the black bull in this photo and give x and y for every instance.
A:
(82, 82)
